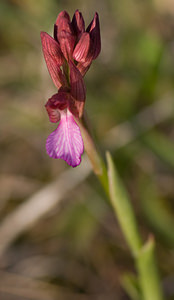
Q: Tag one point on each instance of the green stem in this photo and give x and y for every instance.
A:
(97, 162)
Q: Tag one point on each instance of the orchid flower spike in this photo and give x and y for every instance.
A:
(68, 57)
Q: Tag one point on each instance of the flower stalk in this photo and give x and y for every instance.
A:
(97, 162)
(123, 208)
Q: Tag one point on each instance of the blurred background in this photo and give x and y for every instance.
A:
(58, 236)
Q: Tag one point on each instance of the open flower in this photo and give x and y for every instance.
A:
(68, 57)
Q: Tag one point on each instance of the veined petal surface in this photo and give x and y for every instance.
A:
(63, 15)
(66, 141)
(76, 107)
(67, 41)
(56, 103)
(78, 90)
(65, 34)
(94, 30)
(54, 58)
(82, 48)
(78, 23)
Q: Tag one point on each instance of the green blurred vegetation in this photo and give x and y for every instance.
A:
(77, 251)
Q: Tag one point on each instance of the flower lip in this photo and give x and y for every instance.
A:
(66, 141)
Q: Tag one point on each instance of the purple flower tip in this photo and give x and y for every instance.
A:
(66, 141)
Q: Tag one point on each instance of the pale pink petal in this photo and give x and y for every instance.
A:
(66, 141)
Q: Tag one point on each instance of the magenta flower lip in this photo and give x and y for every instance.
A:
(66, 142)
(68, 56)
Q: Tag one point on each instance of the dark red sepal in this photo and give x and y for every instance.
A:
(67, 42)
(53, 58)
(51, 48)
(62, 15)
(78, 91)
(81, 50)
(78, 24)
(76, 107)
(65, 34)
(94, 31)
(83, 67)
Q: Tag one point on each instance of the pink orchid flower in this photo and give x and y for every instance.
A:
(68, 57)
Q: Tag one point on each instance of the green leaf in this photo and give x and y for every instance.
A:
(148, 273)
(131, 285)
(122, 207)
